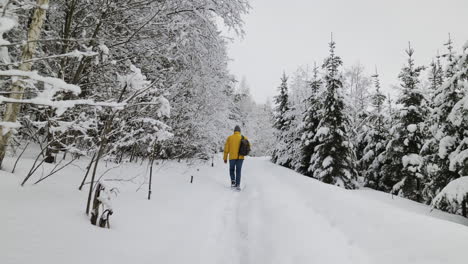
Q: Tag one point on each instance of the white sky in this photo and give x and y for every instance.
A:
(284, 34)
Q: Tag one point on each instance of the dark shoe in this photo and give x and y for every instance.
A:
(233, 184)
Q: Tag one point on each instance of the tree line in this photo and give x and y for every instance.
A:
(117, 79)
(344, 130)
(122, 81)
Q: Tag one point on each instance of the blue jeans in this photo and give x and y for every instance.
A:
(235, 166)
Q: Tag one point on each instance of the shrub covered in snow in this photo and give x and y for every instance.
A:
(453, 198)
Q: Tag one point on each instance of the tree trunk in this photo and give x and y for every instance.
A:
(96, 203)
(17, 88)
(464, 205)
(102, 146)
(150, 178)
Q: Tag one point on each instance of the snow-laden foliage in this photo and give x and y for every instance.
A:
(283, 119)
(413, 149)
(453, 198)
(256, 122)
(333, 160)
(311, 120)
(93, 47)
(282, 106)
(138, 127)
(374, 138)
(457, 146)
(254, 119)
(260, 130)
(402, 169)
(442, 134)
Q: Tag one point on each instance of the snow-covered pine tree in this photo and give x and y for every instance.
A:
(310, 124)
(293, 139)
(374, 139)
(299, 93)
(285, 152)
(333, 161)
(282, 121)
(403, 164)
(455, 144)
(430, 149)
(282, 105)
(443, 134)
(436, 74)
(390, 111)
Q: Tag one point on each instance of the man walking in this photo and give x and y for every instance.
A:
(233, 149)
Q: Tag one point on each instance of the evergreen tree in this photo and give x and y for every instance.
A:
(282, 121)
(333, 160)
(310, 124)
(291, 142)
(454, 146)
(430, 148)
(402, 169)
(374, 138)
(436, 74)
(282, 105)
(443, 134)
(451, 58)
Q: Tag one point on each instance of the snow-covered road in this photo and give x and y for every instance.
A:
(280, 217)
(283, 217)
(272, 222)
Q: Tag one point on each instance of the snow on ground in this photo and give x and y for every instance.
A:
(280, 217)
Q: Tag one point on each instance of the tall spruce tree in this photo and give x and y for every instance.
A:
(282, 121)
(333, 159)
(310, 124)
(282, 105)
(374, 139)
(454, 145)
(292, 141)
(430, 148)
(444, 134)
(402, 168)
(436, 74)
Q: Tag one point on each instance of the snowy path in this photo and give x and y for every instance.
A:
(276, 225)
(283, 217)
(280, 217)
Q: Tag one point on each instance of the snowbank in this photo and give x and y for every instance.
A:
(452, 197)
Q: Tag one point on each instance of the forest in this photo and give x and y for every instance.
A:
(115, 115)
(340, 127)
(134, 80)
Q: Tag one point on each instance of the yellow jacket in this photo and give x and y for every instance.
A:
(232, 146)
